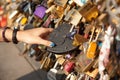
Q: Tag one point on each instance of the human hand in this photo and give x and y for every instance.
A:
(35, 36)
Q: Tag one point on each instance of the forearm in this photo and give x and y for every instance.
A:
(8, 35)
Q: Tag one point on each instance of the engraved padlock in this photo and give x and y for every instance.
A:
(40, 11)
(89, 11)
(78, 40)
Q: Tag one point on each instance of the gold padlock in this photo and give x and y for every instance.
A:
(78, 40)
(23, 21)
(91, 50)
(92, 73)
(89, 11)
(61, 3)
(59, 11)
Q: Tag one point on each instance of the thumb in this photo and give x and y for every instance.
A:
(47, 43)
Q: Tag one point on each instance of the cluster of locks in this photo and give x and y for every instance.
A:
(86, 34)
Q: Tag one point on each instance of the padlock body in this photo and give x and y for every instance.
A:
(92, 50)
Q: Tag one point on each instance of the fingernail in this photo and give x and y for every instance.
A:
(52, 44)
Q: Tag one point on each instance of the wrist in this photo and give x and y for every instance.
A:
(14, 35)
(20, 36)
(8, 34)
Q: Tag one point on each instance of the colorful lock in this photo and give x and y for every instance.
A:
(23, 21)
(69, 66)
(40, 11)
(3, 21)
(78, 40)
(89, 11)
(91, 52)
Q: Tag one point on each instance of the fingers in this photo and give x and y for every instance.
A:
(47, 43)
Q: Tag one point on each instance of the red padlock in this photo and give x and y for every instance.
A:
(3, 18)
(69, 66)
(3, 21)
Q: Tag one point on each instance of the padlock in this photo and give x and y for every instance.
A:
(23, 21)
(69, 14)
(71, 76)
(33, 50)
(61, 3)
(91, 52)
(87, 30)
(3, 21)
(63, 43)
(92, 73)
(55, 74)
(102, 18)
(59, 11)
(47, 61)
(48, 21)
(40, 11)
(57, 68)
(61, 60)
(75, 18)
(81, 28)
(51, 9)
(78, 40)
(50, 2)
(80, 2)
(89, 11)
(39, 55)
(82, 62)
(23, 7)
(68, 67)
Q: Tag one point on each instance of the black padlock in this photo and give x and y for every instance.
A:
(82, 28)
(33, 50)
(59, 37)
(39, 55)
(22, 6)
